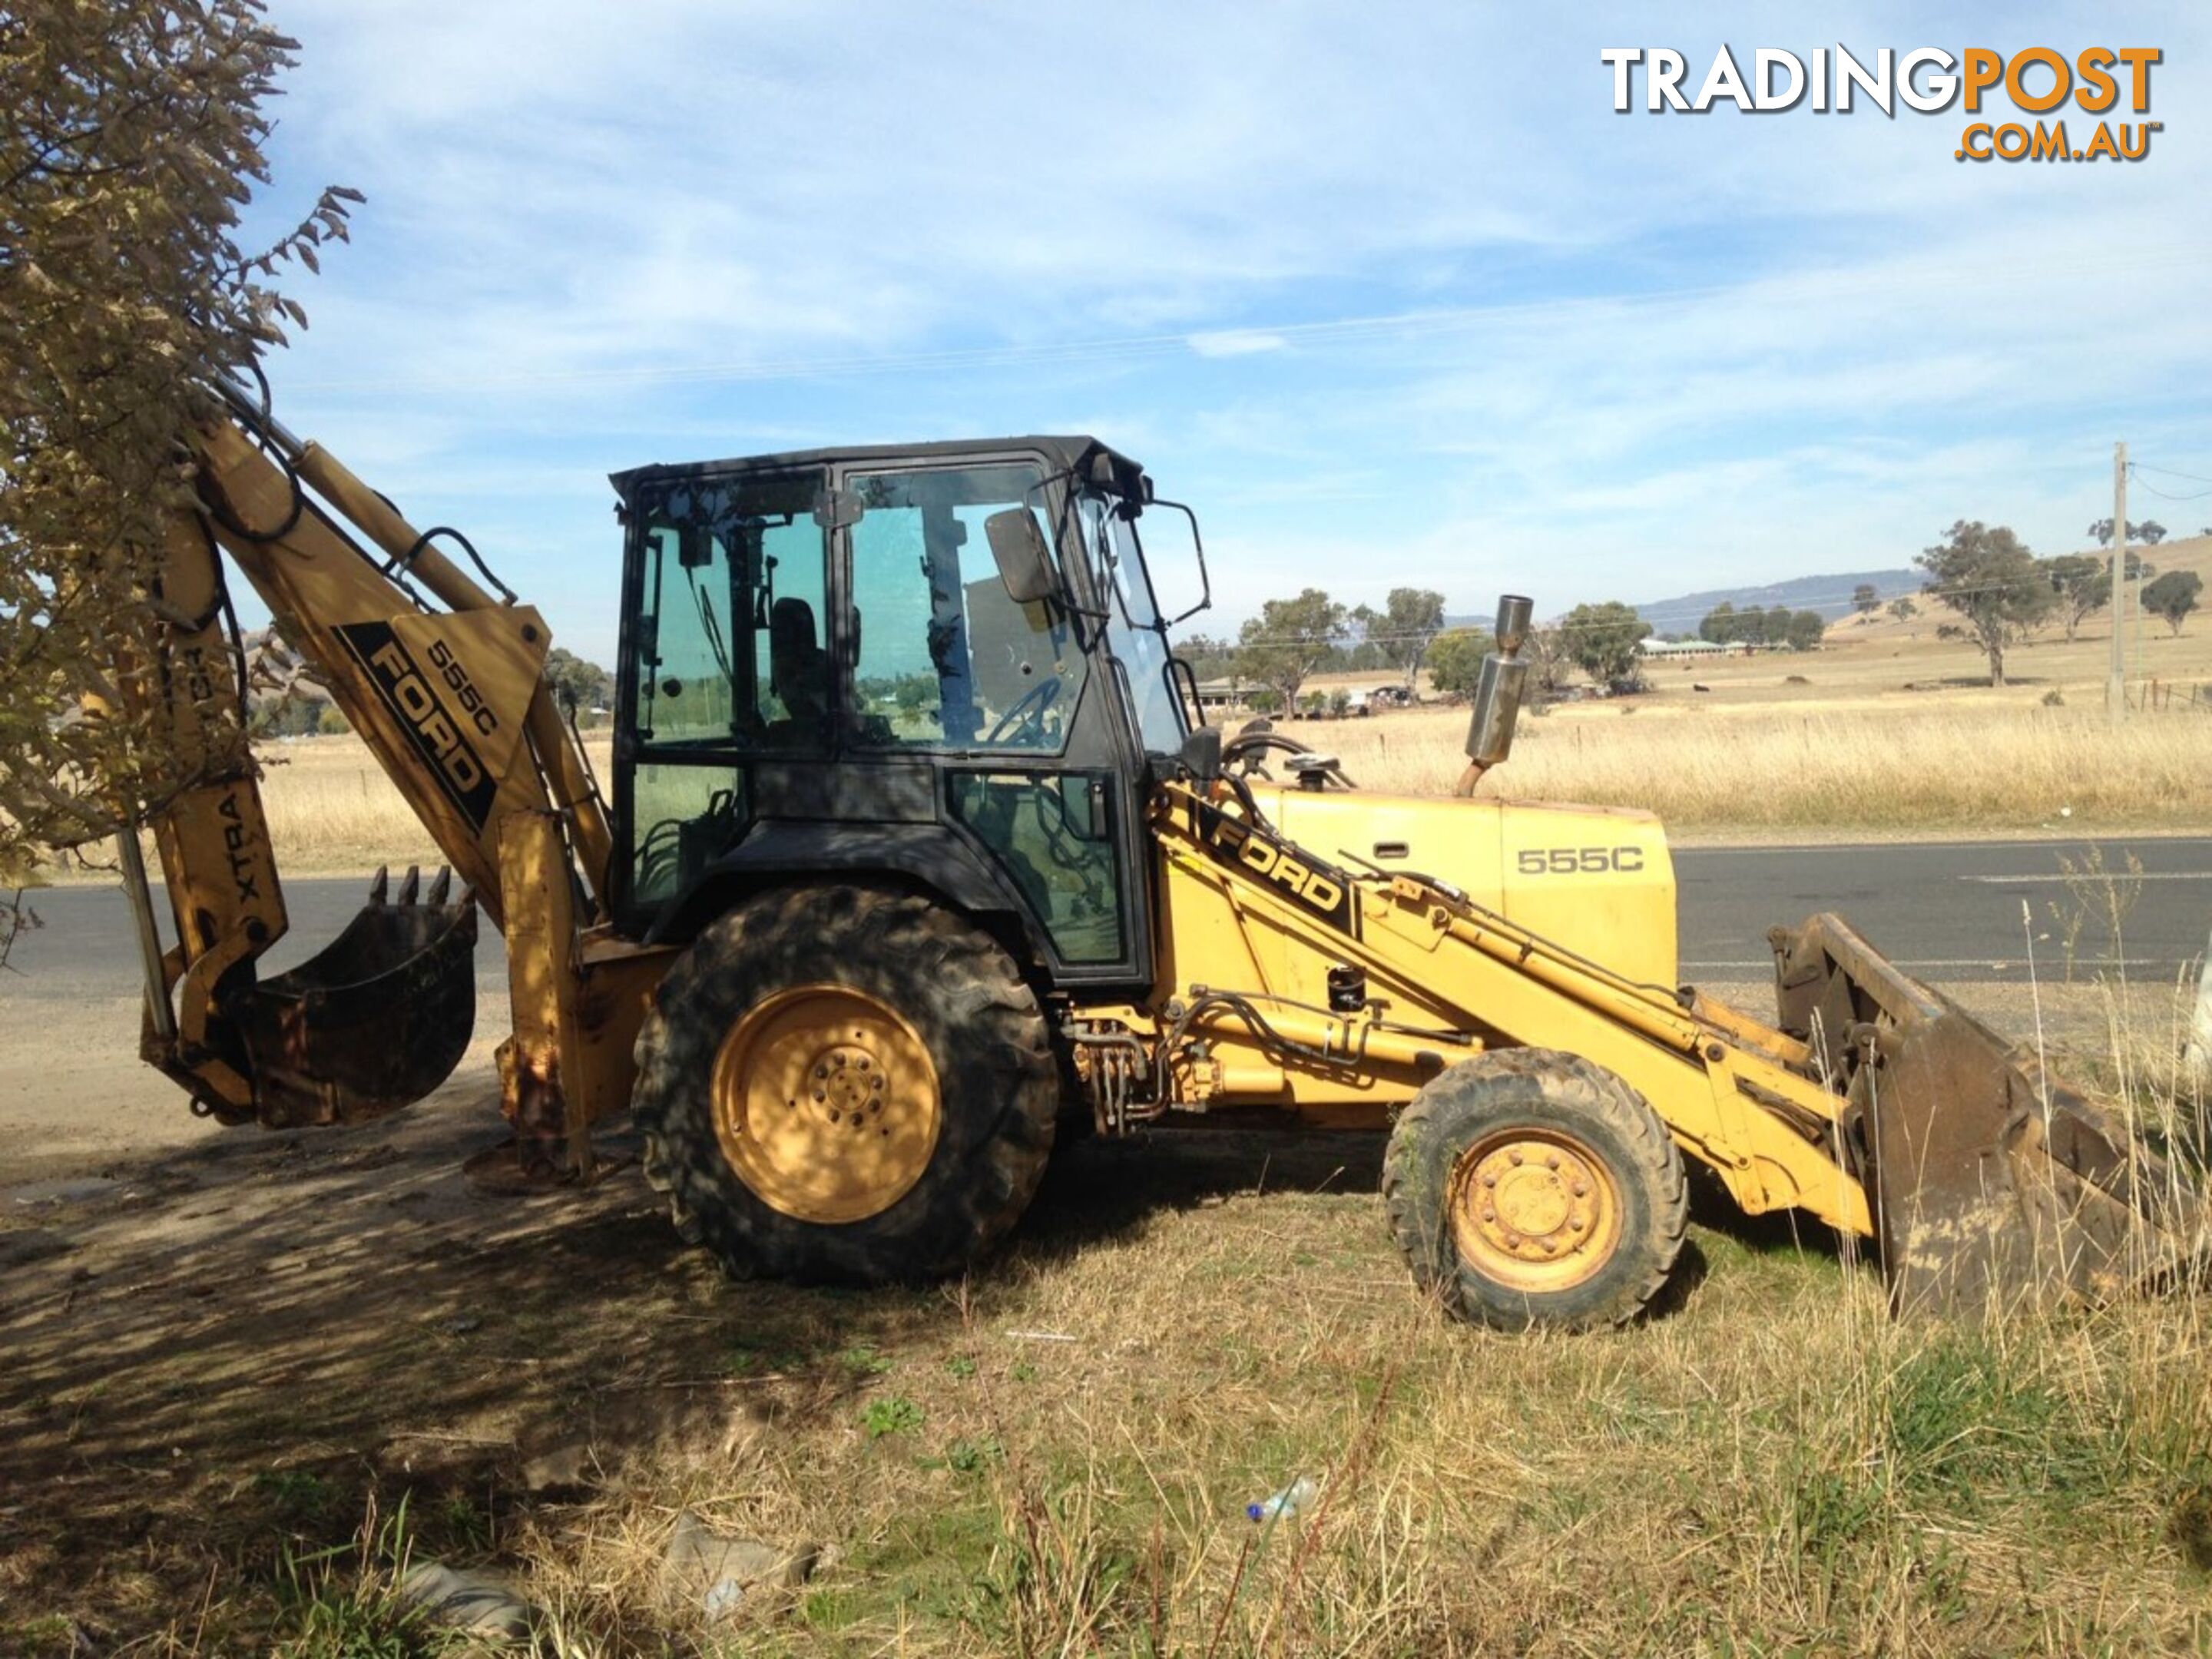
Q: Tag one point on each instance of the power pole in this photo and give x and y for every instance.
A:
(2115, 693)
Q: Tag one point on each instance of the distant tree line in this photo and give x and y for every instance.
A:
(1778, 626)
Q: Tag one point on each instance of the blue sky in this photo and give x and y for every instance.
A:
(1388, 292)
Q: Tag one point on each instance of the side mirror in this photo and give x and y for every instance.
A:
(1024, 562)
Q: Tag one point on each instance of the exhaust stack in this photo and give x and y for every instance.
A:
(1498, 698)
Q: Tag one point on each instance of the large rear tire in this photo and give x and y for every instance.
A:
(1528, 1186)
(845, 1084)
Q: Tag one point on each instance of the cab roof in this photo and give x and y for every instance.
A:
(1084, 456)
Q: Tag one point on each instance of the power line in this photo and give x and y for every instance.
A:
(2171, 472)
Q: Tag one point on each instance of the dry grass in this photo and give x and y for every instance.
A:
(1835, 771)
(1813, 769)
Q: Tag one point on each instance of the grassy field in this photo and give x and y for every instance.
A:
(1807, 768)
(283, 1366)
(1813, 770)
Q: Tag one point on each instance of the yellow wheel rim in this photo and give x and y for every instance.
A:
(826, 1103)
(1534, 1209)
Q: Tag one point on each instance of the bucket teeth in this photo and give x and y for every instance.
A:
(411, 888)
(380, 886)
(440, 884)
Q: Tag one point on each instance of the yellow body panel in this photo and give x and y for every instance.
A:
(1593, 878)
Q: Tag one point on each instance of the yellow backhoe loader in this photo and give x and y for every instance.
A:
(915, 851)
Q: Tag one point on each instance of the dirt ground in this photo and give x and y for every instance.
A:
(215, 1341)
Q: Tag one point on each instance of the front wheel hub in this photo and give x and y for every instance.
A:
(1534, 1209)
(826, 1103)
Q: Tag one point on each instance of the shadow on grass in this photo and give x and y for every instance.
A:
(1100, 1192)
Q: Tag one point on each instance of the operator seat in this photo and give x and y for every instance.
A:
(798, 673)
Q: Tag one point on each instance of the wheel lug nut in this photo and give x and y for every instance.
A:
(1552, 1162)
(863, 1063)
(1582, 1190)
(1576, 1223)
(1490, 1215)
(820, 1097)
(833, 1114)
(1490, 1181)
(1516, 1159)
(822, 1071)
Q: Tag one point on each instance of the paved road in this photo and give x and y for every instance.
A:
(1952, 911)
(1944, 911)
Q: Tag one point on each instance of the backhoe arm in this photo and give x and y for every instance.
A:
(443, 682)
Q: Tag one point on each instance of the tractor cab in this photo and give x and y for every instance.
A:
(944, 666)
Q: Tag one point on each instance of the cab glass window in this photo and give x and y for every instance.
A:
(731, 649)
(946, 660)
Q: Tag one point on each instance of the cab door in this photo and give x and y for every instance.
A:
(1007, 708)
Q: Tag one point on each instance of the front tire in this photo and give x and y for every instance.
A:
(845, 1084)
(1528, 1186)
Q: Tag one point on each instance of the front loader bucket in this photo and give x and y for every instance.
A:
(374, 1021)
(1992, 1185)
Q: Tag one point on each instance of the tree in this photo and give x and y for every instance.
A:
(1410, 619)
(1603, 639)
(1209, 659)
(132, 133)
(578, 686)
(1805, 630)
(1456, 660)
(1778, 619)
(1288, 641)
(1751, 626)
(1719, 626)
(2083, 583)
(1546, 655)
(1984, 574)
(2152, 532)
(2174, 596)
(1865, 598)
(1904, 608)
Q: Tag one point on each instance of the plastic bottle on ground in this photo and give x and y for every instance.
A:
(1285, 1502)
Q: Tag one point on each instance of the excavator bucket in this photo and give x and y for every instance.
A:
(374, 1021)
(1992, 1184)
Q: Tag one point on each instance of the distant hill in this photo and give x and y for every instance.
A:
(1830, 595)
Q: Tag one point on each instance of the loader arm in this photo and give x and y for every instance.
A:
(443, 681)
(1737, 1096)
(1875, 1105)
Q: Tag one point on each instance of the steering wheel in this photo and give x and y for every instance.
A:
(1022, 727)
(1248, 751)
